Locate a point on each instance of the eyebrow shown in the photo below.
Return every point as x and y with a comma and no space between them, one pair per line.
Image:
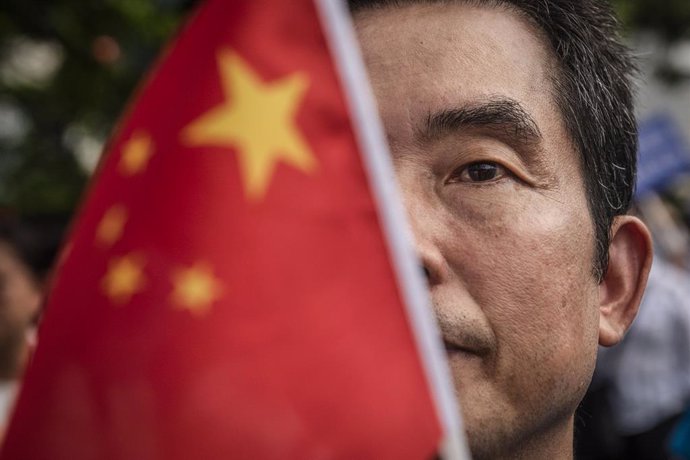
505,115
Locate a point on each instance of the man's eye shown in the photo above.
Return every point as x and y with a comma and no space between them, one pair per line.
482,172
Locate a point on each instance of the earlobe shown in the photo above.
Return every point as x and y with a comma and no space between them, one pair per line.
620,292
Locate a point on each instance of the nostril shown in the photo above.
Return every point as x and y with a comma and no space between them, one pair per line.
427,273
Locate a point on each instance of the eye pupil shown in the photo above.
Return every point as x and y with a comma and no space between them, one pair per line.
479,172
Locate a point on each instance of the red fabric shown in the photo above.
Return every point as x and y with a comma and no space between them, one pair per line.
304,352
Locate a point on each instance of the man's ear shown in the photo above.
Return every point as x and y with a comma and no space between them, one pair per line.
620,292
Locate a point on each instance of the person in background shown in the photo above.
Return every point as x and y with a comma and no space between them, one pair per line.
28,247
642,386
649,373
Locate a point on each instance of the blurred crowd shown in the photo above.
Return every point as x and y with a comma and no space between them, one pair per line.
638,406
28,246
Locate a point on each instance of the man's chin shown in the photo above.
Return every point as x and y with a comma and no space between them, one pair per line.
487,430
488,420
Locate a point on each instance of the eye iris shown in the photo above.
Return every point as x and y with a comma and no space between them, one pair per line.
482,172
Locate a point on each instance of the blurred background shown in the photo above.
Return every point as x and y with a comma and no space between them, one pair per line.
68,69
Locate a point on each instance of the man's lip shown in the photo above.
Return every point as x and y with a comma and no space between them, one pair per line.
463,333
458,348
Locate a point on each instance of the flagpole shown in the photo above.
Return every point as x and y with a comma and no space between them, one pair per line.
337,26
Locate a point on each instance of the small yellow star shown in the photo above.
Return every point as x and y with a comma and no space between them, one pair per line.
258,119
112,225
136,154
195,288
124,278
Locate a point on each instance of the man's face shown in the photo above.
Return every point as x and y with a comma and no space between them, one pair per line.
494,191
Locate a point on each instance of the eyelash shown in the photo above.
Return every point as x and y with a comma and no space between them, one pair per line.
462,174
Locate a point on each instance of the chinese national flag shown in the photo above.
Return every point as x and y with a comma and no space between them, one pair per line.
227,291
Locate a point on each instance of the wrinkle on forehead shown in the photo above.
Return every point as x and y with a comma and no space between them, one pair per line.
444,67
422,49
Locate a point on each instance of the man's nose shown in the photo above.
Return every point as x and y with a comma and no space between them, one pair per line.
426,228
431,259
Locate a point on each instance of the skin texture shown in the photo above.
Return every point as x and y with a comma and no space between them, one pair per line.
493,189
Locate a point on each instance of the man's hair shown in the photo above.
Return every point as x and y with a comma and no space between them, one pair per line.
593,90
34,240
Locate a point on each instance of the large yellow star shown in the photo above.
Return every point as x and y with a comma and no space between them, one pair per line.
258,119
125,277
195,288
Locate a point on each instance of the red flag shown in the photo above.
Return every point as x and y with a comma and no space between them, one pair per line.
227,290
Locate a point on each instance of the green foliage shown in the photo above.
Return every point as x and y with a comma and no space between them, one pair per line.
103,48
670,18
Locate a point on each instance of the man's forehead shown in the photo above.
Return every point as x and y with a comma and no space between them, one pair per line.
411,10
436,56
450,21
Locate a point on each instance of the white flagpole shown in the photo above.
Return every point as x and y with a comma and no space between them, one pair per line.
337,25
